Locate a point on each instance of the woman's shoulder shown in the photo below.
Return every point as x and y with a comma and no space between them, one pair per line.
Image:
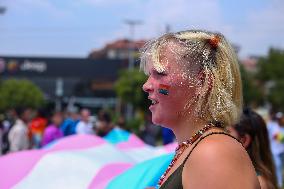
221,149
222,161
263,182
218,142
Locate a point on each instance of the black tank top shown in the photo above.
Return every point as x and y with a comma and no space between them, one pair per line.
174,181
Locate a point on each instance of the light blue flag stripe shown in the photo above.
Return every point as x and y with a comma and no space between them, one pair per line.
117,135
142,175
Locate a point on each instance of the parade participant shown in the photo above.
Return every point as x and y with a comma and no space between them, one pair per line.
52,131
85,126
36,128
18,135
195,87
276,137
104,124
72,118
253,134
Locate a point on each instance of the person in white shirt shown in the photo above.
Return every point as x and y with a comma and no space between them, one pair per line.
18,135
85,126
277,147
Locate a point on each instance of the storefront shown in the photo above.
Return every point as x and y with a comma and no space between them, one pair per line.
89,82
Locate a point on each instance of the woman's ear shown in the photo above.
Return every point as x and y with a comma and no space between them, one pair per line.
246,140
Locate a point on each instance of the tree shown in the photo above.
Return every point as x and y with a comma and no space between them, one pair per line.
252,94
129,88
19,93
276,95
272,66
270,75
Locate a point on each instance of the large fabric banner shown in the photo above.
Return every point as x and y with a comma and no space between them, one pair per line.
119,160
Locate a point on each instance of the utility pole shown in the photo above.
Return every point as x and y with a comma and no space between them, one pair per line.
2,11
58,93
132,24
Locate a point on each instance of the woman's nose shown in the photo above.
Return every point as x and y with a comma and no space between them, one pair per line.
148,86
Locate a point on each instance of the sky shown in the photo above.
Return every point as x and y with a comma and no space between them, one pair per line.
65,28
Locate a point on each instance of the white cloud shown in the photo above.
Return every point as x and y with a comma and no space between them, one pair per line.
255,34
30,6
262,30
184,14
179,14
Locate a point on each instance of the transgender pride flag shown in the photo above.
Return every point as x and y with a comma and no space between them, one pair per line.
120,160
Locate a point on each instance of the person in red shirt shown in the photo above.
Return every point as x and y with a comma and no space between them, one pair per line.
36,128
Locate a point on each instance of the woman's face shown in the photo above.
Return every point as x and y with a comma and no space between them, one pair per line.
168,109
57,119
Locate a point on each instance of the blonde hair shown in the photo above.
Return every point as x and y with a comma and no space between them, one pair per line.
219,99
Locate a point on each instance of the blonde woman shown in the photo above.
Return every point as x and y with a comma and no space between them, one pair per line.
195,88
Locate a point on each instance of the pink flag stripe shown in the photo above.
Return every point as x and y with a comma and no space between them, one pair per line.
133,142
14,161
16,166
74,142
170,147
104,176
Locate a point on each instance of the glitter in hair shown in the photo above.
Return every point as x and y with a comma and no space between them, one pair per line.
219,98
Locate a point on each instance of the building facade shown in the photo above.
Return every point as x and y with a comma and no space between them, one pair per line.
89,82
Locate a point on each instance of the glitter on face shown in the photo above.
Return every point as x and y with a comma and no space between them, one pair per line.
210,72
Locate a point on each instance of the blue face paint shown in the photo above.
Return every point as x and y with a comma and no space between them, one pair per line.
164,89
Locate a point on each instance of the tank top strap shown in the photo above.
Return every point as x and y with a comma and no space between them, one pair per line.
203,137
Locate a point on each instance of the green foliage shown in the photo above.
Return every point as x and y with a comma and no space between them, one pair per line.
251,92
134,125
272,66
15,93
129,88
276,95
270,70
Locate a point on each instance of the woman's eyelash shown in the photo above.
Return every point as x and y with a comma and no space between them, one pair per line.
161,73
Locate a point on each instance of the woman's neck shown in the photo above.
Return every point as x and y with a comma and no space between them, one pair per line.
187,129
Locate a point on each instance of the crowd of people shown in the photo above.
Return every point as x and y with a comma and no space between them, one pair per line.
24,128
